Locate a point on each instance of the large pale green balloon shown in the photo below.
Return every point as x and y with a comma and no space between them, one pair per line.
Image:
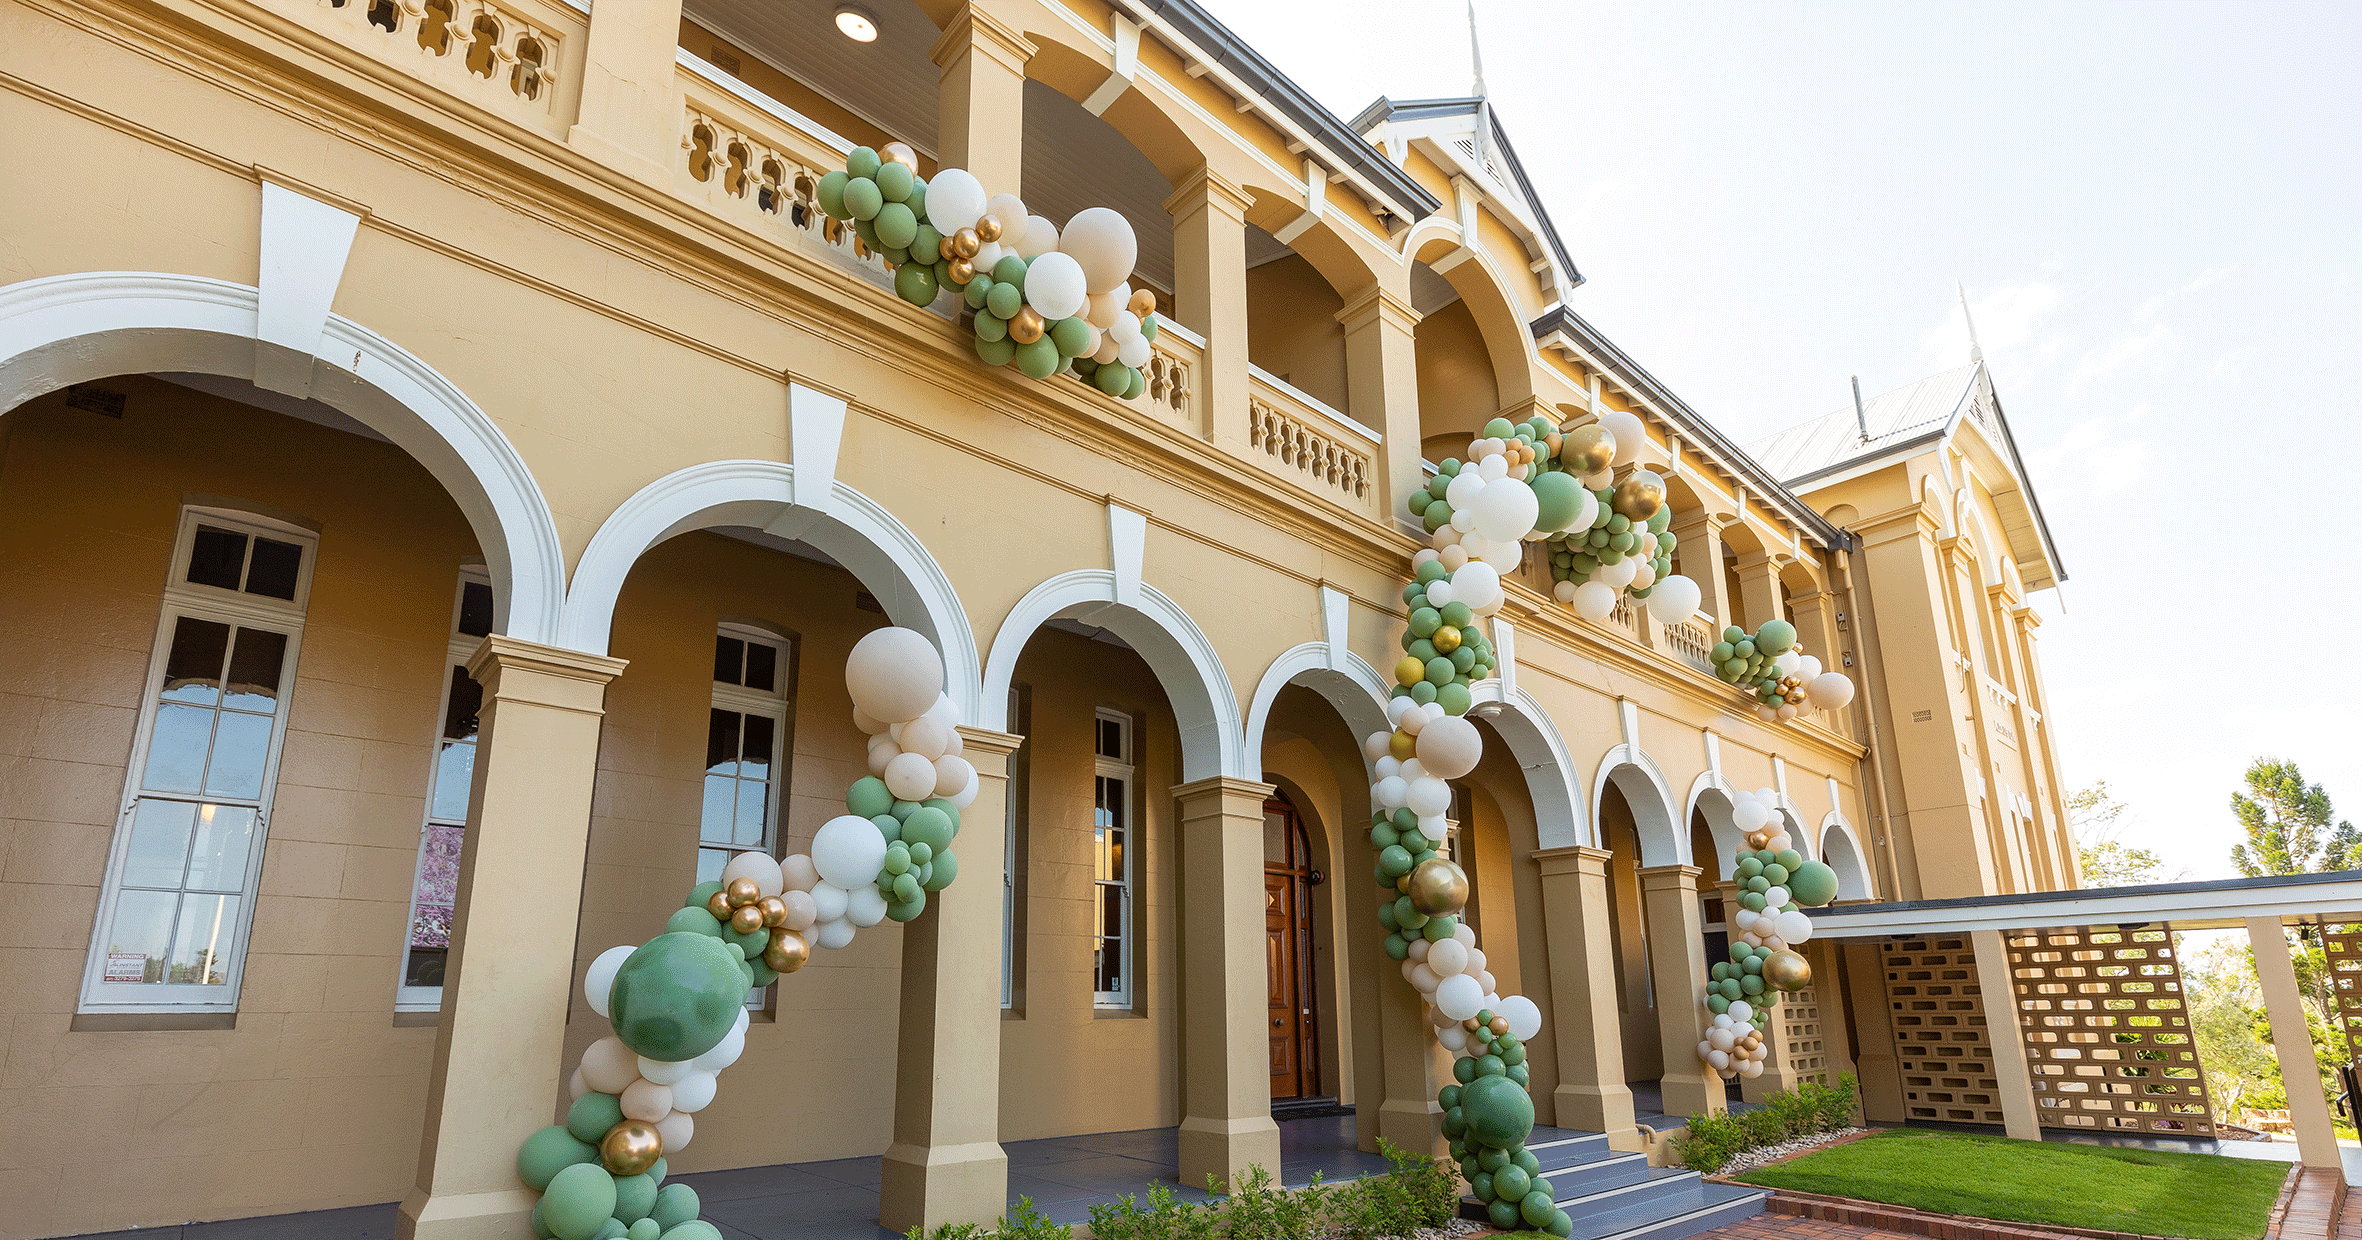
862,199
550,1151
592,1115
635,1196
1775,636
928,825
1499,1111
996,352
675,1204
677,996
868,797
1561,496
1812,884
578,1202
694,1229
943,870
1038,360
693,921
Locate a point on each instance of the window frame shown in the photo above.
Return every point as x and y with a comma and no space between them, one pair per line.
1124,770
221,605
1016,811
778,705
462,647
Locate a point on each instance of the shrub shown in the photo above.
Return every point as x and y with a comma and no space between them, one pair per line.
1714,1140
1416,1191
1023,1223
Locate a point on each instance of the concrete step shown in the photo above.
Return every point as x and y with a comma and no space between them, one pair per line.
1674,1216
1570,1150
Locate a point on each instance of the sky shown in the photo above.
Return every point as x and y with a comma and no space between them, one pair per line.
2154,209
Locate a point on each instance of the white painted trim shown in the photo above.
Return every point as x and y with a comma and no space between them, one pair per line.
1355,689
1213,738
305,243
816,430
1662,840
2205,908
1856,881
731,86
1127,551
855,531
1315,406
1505,655
1336,610
1550,776
1727,836
68,329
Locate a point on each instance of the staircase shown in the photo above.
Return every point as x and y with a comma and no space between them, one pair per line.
1615,1195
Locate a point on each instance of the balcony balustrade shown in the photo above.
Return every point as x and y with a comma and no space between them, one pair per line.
519,58
1176,358
1318,449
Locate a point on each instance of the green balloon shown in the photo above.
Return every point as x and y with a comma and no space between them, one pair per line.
946,808
592,1115
917,199
1421,649
1788,857
929,826
896,226
1502,1214
989,327
921,853
906,912
1498,428
888,825
976,291
1523,1074
913,283
1440,670
996,352
1536,1208
752,944
645,1229
1395,860
1038,360
1775,875
1004,305
1512,1181
693,921
549,1151
1813,884
694,1229
1456,698
675,1204
1397,948
701,893
831,193
1499,1111
1134,384
657,1172
1010,271
1071,335
895,181
1112,380
635,1196
1490,1065
1457,614
946,867
1775,636
1480,1186
541,1229
578,1202
1438,929
862,199
863,161
1561,497
676,996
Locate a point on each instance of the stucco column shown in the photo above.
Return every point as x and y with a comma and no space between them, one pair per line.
1210,295
1697,555
2007,1031
1669,897
946,1163
980,99
1584,1030
498,1072
2292,1044
630,117
1382,387
1225,1051
1759,590
1880,1077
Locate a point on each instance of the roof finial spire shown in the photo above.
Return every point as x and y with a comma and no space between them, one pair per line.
1475,54
1976,352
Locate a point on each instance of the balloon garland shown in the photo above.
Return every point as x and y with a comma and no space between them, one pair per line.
677,1003
1767,666
1048,301
1775,885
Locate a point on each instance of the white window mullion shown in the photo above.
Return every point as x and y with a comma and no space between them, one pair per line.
1114,840
450,784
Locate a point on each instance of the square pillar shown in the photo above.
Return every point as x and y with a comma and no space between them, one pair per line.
946,1163
1880,1076
980,100
1759,590
498,1069
1697,555
2006,1029
2292,1044
1225,1051
631,116
1210,295
1669,899
1382,387
1584,1029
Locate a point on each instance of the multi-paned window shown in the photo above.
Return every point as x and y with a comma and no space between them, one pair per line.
172,921
435,889
1111,853
745,731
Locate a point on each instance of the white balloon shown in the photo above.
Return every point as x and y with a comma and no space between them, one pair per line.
989,254
725,1052
1785,662
1594,601
910,777
952,774
1425,796
828,902
894,674
1477,585
966,797
1475,954
1462,490
1411,769
1435,827
954,199
1396,708
1748,814
599,979
946,712
1751,1069
1040,238
675,1130
1010,210
1617,575
1494,467
881,751
833,934
1054,286
1720,1039
1458,996
1102,241
663,1072
1744,919
1420,976
1453,1037
575,1085
1719,1059
1389,791
769,879
1134,352
1774,897
1379,746
1524,1016
870,727
1643,574
865,906
1385,767
1795,927
1447,958
1630,432
1484,980
1418,949
1563,591
1769,796
1674,600
848,851
1829,691
1125,329
1439,591
1450,747
1740,1012
1466,936
694,1092
1506,510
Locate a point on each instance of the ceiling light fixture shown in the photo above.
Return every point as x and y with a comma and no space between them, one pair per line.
857,23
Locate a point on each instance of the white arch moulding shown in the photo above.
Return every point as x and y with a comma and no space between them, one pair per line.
1213,738
1711,792
855,531
1841,850
1638,777
60,330
1550,779
1356,691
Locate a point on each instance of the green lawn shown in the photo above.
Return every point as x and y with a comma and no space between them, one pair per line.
2204,1196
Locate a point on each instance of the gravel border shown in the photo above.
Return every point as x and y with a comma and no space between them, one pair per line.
1765,1154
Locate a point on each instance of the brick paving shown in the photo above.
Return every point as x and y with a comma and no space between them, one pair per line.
2349,1221
1770,1226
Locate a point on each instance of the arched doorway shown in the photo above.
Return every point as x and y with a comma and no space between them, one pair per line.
1291,969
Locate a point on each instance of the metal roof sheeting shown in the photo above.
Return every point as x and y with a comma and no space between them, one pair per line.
1894,418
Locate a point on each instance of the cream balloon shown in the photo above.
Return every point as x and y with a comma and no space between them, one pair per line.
1427,796
1101,309
665,1072
675,1130
646,1101
756,865
1450,747
1631,435
952,774
1447,958
894,674
865,905
924,737
801,912
910,777
1594,600
608,1065
1041,237
1830,691
797,870
1102,241
1674,600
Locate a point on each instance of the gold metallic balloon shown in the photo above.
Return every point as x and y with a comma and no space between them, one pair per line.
718,904
962,270
1758,840
899,153
742,891
1587,449
630,1147
1640,494
787,951
988,228
1788,970
1026,325
964,243
746,918
1446,639
1499,1026
1438,888
1143,303
774,911
1402,745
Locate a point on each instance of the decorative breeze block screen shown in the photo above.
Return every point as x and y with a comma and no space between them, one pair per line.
1942,1050
1800,1014
2345,975
2107,1036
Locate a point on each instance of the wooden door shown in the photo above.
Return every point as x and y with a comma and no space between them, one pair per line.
1279,950
1287,940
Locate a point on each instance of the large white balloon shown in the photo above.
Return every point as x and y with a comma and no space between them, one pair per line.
1477,585
1617,575
894,674
1462,490
1674,600
1054,285
758,866
1389,792
849,851
599,979
1740,1012
1631,434
1133,352
1523,1014
1830,691
1506,510
1102,241
865,906
1748,814
1807,669
1450,747
954,199
1427,796
1459,996
1594,600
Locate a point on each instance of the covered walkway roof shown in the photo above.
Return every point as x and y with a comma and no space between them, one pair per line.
2217,904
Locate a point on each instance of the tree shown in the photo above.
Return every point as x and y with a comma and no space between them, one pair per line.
2288,825
2104,860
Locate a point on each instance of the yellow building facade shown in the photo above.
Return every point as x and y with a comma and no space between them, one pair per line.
427,424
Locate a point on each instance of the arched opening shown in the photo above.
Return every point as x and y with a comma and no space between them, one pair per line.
1842,853
1458,389
1636,1003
